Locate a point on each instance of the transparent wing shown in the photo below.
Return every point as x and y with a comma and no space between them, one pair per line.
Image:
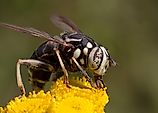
65,24
31,31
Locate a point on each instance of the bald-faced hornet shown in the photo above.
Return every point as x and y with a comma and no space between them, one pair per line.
71,51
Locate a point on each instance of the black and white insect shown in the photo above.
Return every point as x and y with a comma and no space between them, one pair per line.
71,51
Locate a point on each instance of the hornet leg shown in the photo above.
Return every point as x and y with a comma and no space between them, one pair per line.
99,81
66,81
31,63
84,72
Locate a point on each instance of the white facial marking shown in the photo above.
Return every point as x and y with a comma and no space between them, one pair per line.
98,60
77,53
94,58
82,61
104,62
85,51
89,45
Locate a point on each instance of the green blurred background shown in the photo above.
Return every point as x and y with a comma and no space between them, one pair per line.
127,27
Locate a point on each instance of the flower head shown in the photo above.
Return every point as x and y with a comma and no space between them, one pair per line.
79,98
34,103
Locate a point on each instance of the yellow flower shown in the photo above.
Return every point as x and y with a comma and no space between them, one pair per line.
79,98
34,103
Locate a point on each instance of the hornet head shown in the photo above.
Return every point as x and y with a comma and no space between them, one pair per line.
99,61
